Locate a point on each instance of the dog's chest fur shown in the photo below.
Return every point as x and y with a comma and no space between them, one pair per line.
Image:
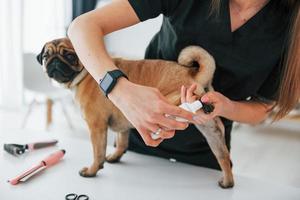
96,108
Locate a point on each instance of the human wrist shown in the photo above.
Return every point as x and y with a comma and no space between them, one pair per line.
120,87
229,108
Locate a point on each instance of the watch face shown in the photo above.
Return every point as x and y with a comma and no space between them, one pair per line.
106,82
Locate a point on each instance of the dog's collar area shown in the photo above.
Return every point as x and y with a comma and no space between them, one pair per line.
80,76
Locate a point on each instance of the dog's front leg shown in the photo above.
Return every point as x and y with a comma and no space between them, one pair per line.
121,147
98,135
213,131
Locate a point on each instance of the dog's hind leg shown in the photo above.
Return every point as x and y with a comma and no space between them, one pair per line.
121,147
98,136
214,134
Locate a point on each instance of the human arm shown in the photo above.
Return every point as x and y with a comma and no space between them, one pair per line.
250,112
143,106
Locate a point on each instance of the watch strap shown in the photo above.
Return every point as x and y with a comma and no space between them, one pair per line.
115,75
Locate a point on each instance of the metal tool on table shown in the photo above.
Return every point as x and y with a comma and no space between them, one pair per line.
18,149
44,164
73,196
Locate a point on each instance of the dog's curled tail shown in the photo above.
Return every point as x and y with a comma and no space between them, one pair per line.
191,54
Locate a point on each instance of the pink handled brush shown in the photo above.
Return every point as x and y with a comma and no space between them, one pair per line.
45,163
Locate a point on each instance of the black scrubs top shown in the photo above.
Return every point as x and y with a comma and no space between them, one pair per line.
248,61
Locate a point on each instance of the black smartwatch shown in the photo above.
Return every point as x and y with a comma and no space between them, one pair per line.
108,82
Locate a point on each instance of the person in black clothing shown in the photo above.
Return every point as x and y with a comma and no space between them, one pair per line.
254,43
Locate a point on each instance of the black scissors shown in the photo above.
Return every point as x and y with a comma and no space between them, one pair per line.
73,196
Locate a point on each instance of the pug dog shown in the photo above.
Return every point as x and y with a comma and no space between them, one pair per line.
61,64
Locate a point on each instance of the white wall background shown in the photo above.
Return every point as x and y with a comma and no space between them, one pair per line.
25,26
11,53
131,42
44,20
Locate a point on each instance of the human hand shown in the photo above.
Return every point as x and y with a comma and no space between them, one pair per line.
145,108
222,105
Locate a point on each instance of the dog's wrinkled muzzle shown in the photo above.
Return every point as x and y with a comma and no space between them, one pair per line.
60,71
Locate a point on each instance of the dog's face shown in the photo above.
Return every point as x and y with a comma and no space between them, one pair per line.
60,61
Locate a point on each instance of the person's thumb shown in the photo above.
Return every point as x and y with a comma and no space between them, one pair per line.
208,98
205,98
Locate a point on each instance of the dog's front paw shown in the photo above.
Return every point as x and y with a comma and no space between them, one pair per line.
226,183
85,172
89,172
113,158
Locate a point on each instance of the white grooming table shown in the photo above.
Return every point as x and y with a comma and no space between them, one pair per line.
137,177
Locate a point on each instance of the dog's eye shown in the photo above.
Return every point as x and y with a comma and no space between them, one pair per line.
71,57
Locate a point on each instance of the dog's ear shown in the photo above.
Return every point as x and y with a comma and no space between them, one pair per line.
39,57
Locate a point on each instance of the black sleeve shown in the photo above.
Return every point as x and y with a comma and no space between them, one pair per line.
269,89
147,9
